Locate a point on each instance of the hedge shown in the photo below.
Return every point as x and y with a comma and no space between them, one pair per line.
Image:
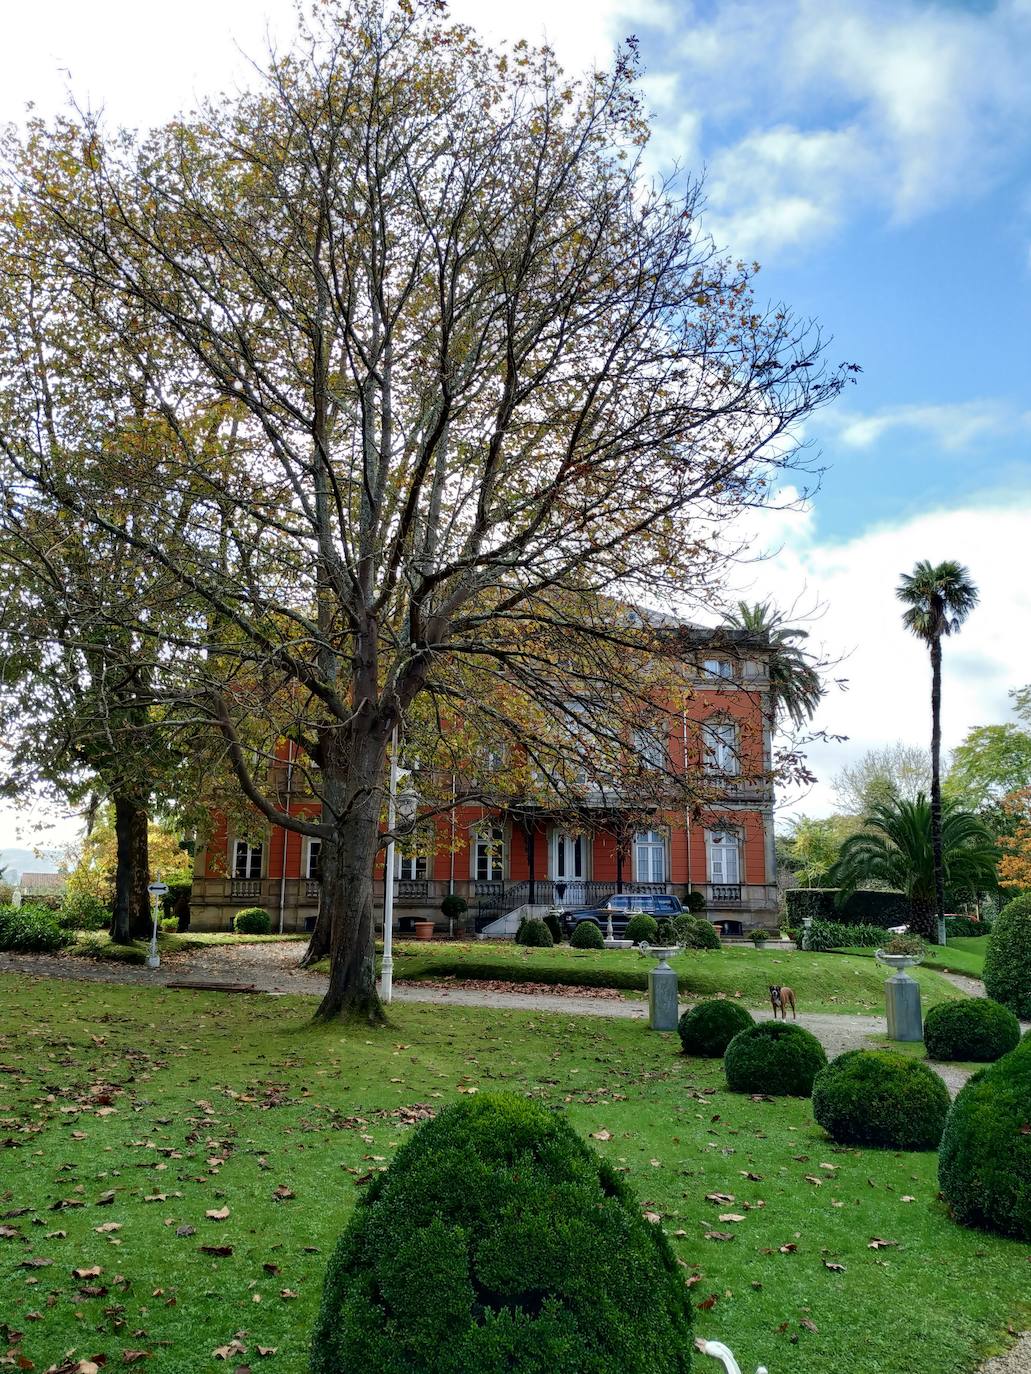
963,925
83,911
984,1164
498,1240
973,1029
708,1028
773,1057
862,907
879,1097
1007,963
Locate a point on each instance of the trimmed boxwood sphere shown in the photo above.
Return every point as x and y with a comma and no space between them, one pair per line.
984,1163
499,1241
708,1028
974,1028
877,1097
252,920
534,933
773,1057
1007,964
642,927
587,936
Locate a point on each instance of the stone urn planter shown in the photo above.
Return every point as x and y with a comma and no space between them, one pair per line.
423,930
663,999
902,996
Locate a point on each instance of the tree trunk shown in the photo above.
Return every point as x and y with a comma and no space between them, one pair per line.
922,918
318,945
121,920
347,889
936,791
139,903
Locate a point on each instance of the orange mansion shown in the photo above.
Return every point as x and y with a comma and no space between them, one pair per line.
501,861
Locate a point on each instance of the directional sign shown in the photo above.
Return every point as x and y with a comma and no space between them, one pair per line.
157,889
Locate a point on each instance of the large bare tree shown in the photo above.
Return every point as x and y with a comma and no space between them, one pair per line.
485,387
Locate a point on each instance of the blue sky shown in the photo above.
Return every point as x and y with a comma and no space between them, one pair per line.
876,159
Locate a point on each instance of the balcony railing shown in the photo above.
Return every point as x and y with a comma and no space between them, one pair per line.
725,894
413,889
244,889
312,888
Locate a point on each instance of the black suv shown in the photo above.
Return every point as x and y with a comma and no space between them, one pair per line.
619,906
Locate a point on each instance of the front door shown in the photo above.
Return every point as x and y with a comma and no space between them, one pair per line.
567,869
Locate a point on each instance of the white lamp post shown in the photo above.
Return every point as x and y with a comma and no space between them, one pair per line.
386,988
157,890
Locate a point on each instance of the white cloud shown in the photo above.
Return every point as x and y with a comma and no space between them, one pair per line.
951,426
888,674
899,105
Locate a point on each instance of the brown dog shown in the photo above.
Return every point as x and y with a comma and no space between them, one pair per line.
782,997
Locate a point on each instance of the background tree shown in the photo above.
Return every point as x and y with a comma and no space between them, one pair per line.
490,389
895,849
897,770
811,845
938,598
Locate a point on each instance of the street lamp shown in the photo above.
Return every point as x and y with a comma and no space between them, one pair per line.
157,890
407,804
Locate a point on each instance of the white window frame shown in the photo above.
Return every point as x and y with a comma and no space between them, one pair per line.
650,749
720,753
311,842
250,851
720,845
494,853
579,843
651,856
411,868
719,668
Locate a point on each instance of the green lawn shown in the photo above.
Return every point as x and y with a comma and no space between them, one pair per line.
822,982
128,1114
97,944
964,954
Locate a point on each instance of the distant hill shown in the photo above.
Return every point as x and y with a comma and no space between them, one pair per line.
19,861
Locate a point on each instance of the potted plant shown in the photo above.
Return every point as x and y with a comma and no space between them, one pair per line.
901,952
759,936
424,928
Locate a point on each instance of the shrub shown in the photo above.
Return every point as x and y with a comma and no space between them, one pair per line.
668,934
453,907
773,1057
83,911
695,901
759,935
696,932
640,927
824,935
963,925
534,933
708,1028
31,929
252,920
974,1028
587,936
878,1097
1007,963
862,907
984,1164
553,923
498,1240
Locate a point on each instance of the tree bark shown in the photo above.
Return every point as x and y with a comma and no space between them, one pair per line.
347,889
121,920
139,901
922,918
936,792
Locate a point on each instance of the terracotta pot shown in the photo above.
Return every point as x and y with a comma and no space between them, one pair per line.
424,930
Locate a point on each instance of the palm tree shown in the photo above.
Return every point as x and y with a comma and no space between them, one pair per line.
795,686
895,849
938,599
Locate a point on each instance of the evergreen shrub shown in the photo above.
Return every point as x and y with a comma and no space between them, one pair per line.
31,929
252,920
534,933
708,1028
1007,962
773,1057
974,1029
499,1241
587,936
640,927
879,1097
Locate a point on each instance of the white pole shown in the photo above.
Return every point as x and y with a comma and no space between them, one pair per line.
154,958
387,978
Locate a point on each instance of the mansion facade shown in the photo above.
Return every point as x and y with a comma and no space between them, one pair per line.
502,860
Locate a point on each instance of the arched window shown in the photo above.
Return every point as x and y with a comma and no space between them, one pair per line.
489,854
724,856
649,857
719,746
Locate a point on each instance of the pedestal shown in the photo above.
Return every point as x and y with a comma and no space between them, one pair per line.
903,1001
663,1002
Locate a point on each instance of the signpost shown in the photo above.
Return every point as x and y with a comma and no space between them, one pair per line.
157,890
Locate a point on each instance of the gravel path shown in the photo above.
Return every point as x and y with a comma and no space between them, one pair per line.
1015,1361
272,968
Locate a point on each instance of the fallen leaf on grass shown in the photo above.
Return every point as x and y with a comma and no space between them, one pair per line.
719,1197
877,1244
601,1135
36,1262
185,1230
834,1268
223,1352
809,1325
287,1293
906,1198
719,1235
133,1356
222,1251
788,1249
94,1271
653,1217
217,1213
281,1192
708,1303
107,1226
732,1216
